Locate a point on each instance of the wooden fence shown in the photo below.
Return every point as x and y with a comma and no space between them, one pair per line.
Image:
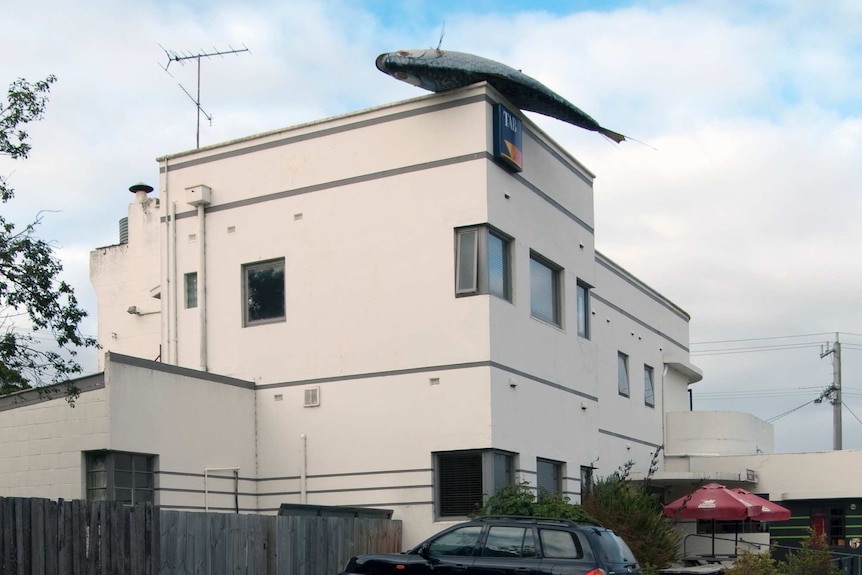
39,536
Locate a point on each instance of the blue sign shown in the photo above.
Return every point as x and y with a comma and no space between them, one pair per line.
508,131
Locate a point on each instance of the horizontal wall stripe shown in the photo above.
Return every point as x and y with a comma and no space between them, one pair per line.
201,492
641,323
336,184
380,505
514,371
628,438
310,136
381,488
608,264
279,493
176,370
553,202
390,373
362,473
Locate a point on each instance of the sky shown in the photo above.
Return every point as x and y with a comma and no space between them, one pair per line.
740,201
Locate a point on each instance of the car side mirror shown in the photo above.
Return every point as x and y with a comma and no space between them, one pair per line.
423,552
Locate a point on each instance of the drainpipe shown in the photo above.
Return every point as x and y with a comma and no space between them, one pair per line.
174,291
303,473
202,284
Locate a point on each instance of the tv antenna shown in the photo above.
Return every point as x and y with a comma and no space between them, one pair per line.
182,58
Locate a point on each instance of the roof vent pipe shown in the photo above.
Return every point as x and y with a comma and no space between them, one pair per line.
141,190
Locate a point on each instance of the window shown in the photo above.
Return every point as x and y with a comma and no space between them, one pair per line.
549,476
463,478
509,542
545,290
623,374
461,541
649,390
120,476
829,523
583,310
263,292
482,262
191,290
559,544
586,482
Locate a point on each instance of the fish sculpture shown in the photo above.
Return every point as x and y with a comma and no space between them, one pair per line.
439,70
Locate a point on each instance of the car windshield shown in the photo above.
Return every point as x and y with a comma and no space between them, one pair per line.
612,548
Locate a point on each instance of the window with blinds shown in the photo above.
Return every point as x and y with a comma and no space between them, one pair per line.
464,478
549,476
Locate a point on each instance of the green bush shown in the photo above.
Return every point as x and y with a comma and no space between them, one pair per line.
521,500
636,516
814,558
748,563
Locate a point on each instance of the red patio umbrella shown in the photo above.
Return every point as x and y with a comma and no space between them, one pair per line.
716,502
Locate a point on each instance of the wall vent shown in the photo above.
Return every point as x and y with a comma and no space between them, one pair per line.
312,397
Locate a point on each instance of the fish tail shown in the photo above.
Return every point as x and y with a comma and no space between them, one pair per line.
612,135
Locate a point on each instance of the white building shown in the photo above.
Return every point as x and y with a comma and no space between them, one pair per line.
368,310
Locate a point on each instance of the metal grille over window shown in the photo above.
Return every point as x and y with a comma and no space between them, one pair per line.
623,374
649,389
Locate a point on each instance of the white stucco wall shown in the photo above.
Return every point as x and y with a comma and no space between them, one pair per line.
717,433
41,442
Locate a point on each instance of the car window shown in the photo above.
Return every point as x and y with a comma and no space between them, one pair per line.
611,547
560,544
509,542
458,542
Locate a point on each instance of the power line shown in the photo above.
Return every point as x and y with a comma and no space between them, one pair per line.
779,416
762,338
851,412
735,350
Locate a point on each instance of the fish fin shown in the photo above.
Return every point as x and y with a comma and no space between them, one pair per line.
612,135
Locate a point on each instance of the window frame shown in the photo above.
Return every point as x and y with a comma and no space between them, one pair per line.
649,386
489,461
556,298
584,309
586,481
479,283
274,263
191,295
623,369
112,474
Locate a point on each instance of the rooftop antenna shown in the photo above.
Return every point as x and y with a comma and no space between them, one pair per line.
182,58
442,33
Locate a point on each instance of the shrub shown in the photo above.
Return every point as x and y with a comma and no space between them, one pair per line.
636,516
748,563
521,500
814,558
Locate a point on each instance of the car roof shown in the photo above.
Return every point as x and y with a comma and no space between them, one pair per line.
534,520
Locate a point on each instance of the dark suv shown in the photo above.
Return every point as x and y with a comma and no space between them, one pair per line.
508,546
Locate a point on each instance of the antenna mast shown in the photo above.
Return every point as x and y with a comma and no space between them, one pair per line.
182,58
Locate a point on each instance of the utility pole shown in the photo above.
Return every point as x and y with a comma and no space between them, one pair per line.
833,392
182,58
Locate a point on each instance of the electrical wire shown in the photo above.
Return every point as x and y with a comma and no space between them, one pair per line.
736,350
851,411
762,338
780,415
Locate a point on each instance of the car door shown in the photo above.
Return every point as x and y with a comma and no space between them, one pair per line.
452,553
507,550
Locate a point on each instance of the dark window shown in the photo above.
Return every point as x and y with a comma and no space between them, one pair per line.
586,482
263,289
559,544
461,541
549,476
583,310
465,477
704,526
191,290
830,523
120,476
623,373
482,262
545,302
649,389
509,542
